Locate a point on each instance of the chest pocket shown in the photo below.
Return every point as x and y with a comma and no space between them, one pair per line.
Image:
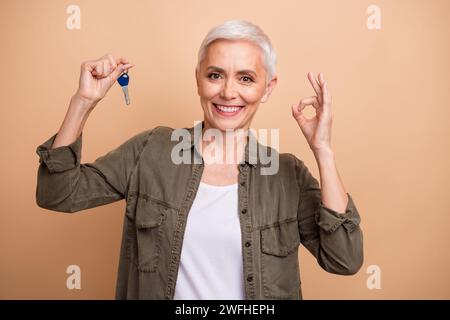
145,245
279,260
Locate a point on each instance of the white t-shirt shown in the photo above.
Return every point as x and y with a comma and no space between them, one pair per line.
211,265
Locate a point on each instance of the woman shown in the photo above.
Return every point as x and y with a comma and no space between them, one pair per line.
244,228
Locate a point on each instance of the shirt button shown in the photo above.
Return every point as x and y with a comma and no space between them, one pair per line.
249,278
248,244
244,211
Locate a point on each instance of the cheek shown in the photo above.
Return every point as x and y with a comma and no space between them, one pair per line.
208,90
252,94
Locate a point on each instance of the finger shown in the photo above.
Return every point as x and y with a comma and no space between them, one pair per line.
121,68
297,110
326,94
88,66
106,67
297,114
97,69
321,79
122,60
117,62
102,69
112,60
309,101
315,85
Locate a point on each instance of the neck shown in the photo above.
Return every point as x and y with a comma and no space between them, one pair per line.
223,147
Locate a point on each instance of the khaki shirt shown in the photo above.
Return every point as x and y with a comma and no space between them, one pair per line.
277,212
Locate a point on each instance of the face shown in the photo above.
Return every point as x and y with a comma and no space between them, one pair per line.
231,83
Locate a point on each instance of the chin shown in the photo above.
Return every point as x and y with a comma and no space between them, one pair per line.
226,126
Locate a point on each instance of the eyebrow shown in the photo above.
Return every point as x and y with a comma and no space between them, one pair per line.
245,71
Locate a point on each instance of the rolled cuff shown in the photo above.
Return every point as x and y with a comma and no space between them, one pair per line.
62,158
329,220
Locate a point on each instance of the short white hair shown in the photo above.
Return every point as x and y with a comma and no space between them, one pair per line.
241,30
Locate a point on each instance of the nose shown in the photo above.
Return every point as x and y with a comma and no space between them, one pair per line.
228,91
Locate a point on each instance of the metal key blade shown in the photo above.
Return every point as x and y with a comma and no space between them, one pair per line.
127,96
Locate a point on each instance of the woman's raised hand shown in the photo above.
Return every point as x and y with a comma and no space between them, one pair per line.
98,76
317,130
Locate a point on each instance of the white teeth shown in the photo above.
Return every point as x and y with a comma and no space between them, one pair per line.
227,109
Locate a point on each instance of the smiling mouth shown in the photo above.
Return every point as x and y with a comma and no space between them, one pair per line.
228,110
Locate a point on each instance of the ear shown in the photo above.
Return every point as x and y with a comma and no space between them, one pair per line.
269,88
196,79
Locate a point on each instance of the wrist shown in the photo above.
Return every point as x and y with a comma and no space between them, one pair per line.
324,155
79,102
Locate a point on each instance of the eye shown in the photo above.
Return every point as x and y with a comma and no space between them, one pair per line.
212,76
248,79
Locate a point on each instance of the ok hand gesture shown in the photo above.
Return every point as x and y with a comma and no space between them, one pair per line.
317,130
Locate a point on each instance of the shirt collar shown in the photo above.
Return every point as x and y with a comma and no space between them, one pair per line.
251,149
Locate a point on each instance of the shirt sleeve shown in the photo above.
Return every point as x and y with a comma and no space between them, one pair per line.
65,184
334,238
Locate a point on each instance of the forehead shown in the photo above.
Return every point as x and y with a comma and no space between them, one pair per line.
240,54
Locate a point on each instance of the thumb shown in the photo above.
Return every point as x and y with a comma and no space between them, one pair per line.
298,114
121,68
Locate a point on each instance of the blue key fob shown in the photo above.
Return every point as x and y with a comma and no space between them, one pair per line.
123,79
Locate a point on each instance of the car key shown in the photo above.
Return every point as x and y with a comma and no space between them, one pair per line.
123,81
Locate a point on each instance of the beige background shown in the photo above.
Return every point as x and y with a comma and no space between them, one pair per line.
390,132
